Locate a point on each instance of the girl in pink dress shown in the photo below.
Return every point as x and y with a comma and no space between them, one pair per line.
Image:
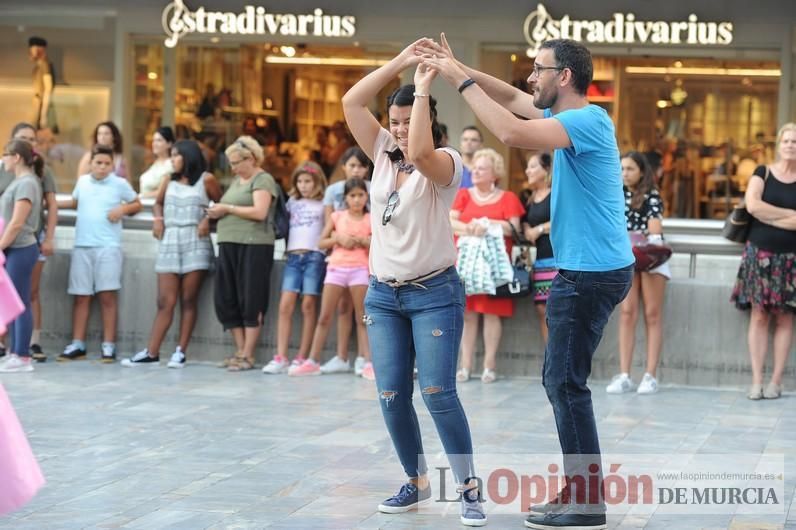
20,475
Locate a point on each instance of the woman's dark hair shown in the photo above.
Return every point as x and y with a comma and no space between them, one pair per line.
117,136
166,133
29,157
20,126
360,155
193,163
645,183
353,184
575,56
404,97
545,160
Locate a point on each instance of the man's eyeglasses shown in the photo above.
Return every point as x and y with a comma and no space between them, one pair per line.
392,203
538,69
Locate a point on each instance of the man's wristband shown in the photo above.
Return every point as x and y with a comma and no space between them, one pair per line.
419,95
465,84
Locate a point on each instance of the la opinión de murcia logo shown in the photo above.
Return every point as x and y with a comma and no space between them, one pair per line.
178,20
623,28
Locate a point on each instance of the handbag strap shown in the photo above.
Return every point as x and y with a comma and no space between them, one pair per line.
515,236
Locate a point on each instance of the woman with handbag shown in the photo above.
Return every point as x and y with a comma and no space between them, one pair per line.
644,212
536,228
766,281
245,249
485,200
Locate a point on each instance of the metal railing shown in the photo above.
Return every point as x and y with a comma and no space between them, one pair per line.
686,236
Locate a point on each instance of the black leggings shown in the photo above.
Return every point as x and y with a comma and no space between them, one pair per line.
243,281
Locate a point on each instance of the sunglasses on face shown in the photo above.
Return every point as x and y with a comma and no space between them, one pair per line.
392,203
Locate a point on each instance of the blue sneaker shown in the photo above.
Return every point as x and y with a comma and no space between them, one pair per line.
408,498
472,511
569,518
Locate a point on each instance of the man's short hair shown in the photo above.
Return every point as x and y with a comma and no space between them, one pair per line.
37,41
575,56
476,129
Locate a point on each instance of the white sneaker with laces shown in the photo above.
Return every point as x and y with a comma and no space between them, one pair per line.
14,363
177,359
335,365
277,365
648,385
140,359
620,384
359,364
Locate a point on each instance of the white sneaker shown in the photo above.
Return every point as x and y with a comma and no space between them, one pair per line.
277,365
620,384
359,364
13,363
648,385
177,359
335,365
141,358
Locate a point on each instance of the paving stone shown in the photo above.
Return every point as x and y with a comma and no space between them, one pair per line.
201,448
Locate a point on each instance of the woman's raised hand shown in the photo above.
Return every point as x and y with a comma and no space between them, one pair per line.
439,57
409,57
423,78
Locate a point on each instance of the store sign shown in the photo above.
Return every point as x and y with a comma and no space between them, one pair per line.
623,28
179,20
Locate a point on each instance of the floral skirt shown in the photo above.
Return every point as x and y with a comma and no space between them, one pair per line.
766,280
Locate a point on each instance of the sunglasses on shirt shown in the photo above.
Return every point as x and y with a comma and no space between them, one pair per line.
392,203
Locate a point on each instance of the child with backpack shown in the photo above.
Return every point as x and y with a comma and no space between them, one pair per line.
305,266
347,233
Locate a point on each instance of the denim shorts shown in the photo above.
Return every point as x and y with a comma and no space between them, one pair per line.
304,273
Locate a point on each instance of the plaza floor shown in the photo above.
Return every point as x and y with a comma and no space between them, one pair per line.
202,448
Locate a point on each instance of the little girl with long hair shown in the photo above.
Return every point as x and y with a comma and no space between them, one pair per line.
347,233
305,267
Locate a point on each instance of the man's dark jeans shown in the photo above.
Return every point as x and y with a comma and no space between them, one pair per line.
579,306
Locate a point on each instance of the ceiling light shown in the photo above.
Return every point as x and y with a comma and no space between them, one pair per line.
663,70
152,75
662,103
288,51
326,61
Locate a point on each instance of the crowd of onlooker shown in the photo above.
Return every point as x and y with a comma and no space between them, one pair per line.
327,249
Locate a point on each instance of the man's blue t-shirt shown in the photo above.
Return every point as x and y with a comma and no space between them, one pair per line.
588,230
95,198
467,178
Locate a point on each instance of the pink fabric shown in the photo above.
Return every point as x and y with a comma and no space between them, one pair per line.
20,475
347,276
10,304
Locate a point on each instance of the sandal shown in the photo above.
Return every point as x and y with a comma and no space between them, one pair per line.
488,376
463,375
227,361
240,364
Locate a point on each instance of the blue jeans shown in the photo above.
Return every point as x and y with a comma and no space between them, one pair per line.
579,306
408,325
19,265
304,273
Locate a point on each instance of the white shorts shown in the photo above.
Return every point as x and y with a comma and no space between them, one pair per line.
95,269
662,269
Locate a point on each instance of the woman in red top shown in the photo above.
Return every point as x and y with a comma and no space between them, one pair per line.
485,199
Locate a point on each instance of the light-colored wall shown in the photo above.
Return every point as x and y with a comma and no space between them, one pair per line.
704,335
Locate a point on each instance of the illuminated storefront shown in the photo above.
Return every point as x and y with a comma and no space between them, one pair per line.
705,85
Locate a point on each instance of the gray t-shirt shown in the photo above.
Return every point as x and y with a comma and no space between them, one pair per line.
47,183
26,187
